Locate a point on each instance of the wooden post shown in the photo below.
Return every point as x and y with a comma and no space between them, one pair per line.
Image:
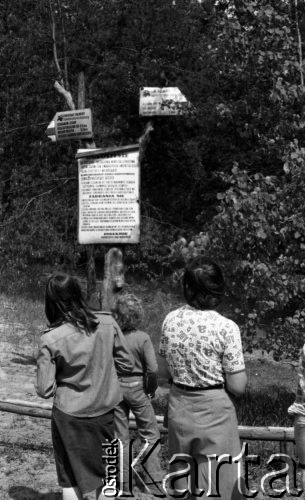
92,294
113,278
145,138
287,447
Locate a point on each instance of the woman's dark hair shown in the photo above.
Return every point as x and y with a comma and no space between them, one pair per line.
203,283
64,302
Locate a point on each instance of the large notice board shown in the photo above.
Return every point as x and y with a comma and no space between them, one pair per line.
109,192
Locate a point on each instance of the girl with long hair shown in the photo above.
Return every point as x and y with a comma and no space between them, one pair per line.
77,364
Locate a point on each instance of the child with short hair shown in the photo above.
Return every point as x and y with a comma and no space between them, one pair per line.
138,388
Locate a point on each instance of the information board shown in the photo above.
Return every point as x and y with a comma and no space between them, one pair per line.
165,101
109,190
76,124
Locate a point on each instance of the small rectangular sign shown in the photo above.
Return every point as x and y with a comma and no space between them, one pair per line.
165,101
76,124
109,186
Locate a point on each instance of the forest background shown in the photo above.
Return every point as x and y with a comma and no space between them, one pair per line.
225,180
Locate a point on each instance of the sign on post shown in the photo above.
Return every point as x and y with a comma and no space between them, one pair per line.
109,190
73,124
165,101
76,124
51,131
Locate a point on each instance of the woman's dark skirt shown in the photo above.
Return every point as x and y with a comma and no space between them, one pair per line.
78,449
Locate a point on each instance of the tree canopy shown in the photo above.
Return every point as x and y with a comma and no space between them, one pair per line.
228,175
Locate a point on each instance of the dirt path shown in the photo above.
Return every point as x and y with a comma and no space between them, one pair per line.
27,469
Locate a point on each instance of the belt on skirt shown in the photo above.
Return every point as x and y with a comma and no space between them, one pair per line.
198,388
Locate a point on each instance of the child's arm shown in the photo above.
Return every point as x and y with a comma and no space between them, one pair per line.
123,357
46,369
151,367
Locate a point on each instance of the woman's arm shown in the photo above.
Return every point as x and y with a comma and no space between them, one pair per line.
236,382
46,369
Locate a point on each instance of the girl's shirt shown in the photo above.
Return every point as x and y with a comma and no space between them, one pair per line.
298,407
80,370
199,346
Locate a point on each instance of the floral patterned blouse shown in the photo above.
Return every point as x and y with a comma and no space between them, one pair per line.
200,346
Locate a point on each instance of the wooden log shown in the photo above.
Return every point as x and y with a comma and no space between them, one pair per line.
43,410
287,448
266,433
25,409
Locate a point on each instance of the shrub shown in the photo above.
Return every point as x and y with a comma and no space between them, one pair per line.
258,237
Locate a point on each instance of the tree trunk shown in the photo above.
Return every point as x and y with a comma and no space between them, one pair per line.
93,297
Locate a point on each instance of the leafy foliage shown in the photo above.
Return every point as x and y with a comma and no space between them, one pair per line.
258,238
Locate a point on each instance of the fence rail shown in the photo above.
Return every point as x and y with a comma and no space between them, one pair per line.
285,435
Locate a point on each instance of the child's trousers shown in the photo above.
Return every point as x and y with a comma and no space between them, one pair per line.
139,403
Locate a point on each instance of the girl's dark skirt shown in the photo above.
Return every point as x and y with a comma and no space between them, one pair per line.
78,449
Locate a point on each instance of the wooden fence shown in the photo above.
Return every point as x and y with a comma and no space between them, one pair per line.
284,435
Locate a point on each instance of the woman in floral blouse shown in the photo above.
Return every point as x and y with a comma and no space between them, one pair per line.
201,352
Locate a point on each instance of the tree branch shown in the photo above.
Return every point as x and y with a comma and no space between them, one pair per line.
54,44
66,79
29,203
299,43
67,95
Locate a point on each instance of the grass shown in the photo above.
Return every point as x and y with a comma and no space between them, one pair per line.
21,318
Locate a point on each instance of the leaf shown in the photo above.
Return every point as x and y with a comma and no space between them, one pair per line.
261,234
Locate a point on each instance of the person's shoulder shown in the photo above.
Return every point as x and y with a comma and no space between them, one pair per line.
46,335
47,330
226,323
104,317
176,312
141,335
51,334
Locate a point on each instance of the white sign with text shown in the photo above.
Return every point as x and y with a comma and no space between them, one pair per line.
165,101
76,124
109,186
